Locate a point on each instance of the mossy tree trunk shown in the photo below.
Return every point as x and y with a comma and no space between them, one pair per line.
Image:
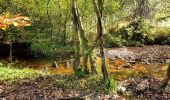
98,7
93,62
83,40
168,72
76,63
167,78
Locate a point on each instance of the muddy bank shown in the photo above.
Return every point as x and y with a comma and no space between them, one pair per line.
145,54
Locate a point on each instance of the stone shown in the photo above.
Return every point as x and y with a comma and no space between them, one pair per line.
54,65
128,65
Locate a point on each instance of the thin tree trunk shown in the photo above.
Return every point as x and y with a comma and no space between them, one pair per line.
65,31
76,63
49,18
98,9
10,52
93,63
86,49
85,44
168,71
167,78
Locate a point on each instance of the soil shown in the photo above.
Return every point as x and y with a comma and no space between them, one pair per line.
39,89
146,88
145,54
45,89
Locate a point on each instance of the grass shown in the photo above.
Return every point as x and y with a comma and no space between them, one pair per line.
91,83
13,74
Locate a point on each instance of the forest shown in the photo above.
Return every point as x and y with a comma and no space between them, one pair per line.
84,49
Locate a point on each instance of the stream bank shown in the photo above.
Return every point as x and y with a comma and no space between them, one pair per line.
145,54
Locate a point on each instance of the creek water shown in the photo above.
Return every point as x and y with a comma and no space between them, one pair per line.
115,68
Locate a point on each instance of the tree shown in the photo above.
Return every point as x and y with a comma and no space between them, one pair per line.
167,78
76,63
84,42
98,7
8,21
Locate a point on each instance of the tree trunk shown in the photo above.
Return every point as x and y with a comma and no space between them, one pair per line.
93,63
168,72
98,9
49,18
166,80
65,30
76,63
85,48
85,45
10,52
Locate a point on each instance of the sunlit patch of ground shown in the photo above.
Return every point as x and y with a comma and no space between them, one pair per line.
115,69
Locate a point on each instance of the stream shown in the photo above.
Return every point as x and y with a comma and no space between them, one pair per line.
118,69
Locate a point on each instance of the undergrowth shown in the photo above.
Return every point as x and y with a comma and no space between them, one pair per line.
10,73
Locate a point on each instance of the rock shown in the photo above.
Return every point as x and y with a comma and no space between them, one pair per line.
67,64
54,65
45,68
168,60
128,65
121,90
132,62
1,90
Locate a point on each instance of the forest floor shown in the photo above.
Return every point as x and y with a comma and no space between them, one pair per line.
68,88
48,89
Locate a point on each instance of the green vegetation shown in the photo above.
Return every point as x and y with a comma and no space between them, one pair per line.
75,30
144,34
52,49
13,74
93,83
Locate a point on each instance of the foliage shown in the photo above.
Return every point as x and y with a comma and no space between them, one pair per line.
7,20
111,41
163,36
13,74
52,49
137,33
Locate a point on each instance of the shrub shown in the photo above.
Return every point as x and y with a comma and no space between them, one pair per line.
111,41
162,36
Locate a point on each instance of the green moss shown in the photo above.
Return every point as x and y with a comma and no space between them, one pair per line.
90,83
12,74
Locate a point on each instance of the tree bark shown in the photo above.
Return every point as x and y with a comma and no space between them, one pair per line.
93,63
168,72
85,44
76,63
167,78
49,18
98,10
10,52
65,29
85,48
